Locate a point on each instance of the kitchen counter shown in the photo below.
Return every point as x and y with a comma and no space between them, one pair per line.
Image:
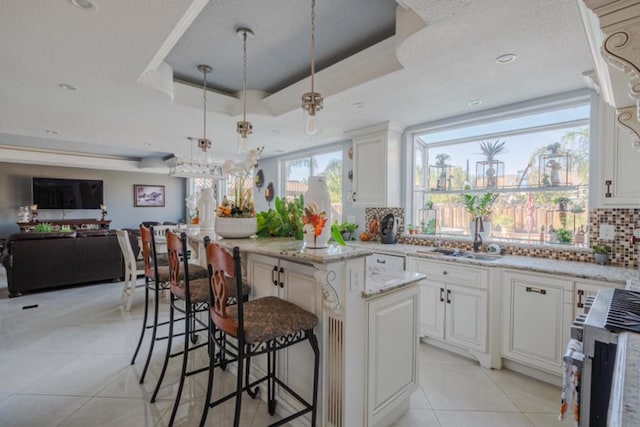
293,250
581,270
625,390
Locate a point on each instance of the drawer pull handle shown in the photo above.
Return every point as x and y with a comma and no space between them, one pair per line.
580,295
273,275
536,290
448,296
381,261
353,196
281,272
441,295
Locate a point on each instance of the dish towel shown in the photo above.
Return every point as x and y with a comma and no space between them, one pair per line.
571,381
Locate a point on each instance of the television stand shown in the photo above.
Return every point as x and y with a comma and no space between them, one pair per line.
74,224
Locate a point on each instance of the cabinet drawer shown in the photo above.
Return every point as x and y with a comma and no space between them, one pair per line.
385,262
450,273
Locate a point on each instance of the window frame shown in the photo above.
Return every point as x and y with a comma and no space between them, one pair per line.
514,111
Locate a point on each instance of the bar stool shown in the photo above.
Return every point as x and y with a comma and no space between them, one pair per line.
263,325
153,270
194,295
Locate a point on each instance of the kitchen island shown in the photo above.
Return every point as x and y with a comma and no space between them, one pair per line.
368,329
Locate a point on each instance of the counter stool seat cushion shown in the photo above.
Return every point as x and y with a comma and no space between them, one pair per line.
269,318
199,291
195,272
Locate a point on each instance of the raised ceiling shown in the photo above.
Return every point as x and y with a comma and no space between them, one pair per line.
441,56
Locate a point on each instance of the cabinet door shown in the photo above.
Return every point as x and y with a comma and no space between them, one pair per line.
466,317
392,348
295,363
537,320
432,296
262,275
621,161
369,171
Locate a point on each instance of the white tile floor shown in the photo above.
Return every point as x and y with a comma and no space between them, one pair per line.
66,363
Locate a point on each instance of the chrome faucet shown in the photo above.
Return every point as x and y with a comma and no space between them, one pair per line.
477,239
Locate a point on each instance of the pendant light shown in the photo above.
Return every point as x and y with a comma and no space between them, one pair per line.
244,128
203,166
312,101
203,143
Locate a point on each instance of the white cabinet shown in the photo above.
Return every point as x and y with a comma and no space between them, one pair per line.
620,160
453,303
376,167
393,350
293,282
537,316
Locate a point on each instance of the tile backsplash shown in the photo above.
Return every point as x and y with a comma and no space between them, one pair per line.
624,252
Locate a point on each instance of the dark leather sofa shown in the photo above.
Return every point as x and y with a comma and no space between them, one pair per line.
47,260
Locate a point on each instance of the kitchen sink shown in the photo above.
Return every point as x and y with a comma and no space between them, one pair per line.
480,257
450,252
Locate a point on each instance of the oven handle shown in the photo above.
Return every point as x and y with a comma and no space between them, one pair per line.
536,290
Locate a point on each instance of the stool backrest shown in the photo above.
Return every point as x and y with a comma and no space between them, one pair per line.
148,250
222,265
176,252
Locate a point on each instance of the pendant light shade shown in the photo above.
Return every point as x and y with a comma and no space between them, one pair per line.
243,127
312,101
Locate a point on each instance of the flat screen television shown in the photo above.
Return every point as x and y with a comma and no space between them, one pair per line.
55,193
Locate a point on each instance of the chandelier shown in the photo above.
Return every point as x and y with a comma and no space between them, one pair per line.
312,101
201,166
244,128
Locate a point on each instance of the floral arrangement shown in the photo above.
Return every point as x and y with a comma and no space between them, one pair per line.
241,176
313,220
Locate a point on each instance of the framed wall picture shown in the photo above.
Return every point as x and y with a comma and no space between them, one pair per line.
148,195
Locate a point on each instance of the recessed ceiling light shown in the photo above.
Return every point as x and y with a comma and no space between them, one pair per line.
358,104
51,132
474,103
506,58
85,4
66,86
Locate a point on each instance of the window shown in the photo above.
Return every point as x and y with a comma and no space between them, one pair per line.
297,170
537,164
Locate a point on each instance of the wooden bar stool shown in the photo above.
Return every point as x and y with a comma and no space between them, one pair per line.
189,297
263,325
153,271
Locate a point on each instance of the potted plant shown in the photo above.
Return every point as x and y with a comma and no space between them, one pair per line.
562,202
480,206
490,149
412,229
564,235
346,229
237,218
601,253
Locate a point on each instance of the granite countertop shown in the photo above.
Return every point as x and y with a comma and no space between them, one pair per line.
379,281
292,249
625,390
574,269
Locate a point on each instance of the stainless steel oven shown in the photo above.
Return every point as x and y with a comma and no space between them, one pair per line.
611,311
